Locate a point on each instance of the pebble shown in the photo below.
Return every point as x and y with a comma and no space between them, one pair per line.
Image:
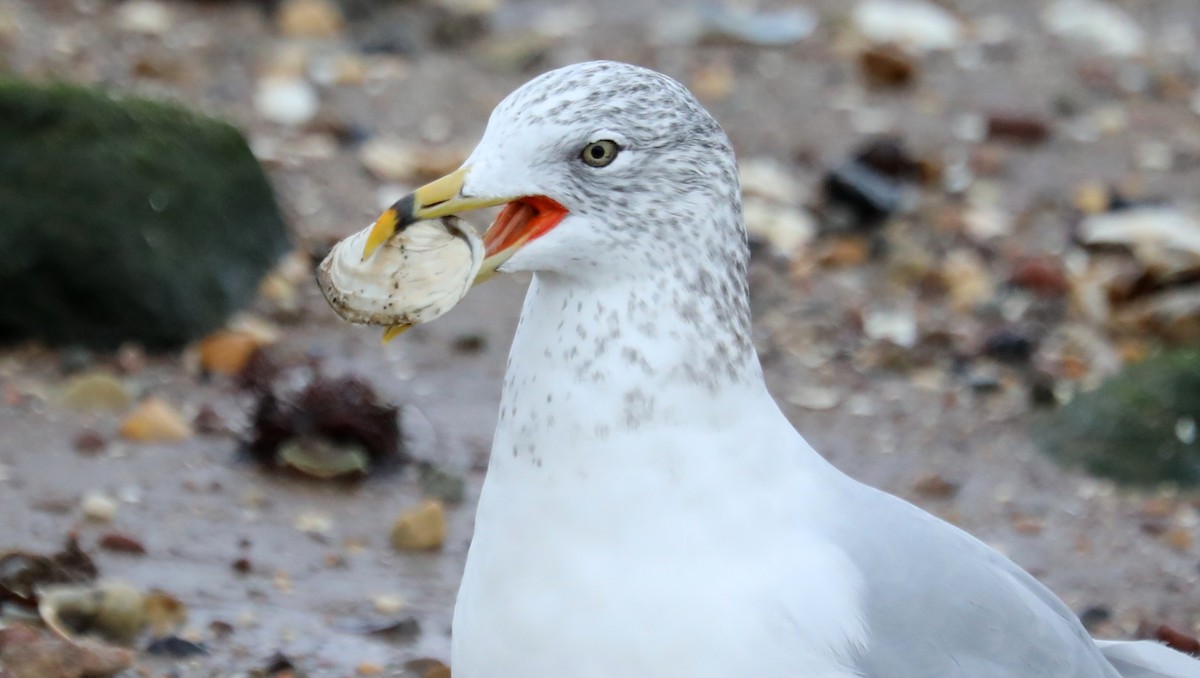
155,421
1096,24
1009,346
389,159
816,398
1155,156
967,279
887,66
286,101
228,351
314,523
1091,198
786,229
724,24
915,24
99,507
1025,128
388,604
422,528
935,486
95,392
310,19
147,17
1042,275
894,325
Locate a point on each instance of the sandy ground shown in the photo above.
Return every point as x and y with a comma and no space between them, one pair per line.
198,507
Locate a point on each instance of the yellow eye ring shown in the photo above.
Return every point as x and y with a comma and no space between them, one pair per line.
600,153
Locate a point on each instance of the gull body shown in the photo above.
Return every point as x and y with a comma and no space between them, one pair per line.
648,510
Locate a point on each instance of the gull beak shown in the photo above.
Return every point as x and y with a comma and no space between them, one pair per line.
523,219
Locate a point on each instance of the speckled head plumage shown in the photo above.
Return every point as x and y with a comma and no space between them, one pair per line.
653,205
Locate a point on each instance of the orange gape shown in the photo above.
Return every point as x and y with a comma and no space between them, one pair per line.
522,221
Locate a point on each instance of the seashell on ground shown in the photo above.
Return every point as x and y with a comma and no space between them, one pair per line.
419,274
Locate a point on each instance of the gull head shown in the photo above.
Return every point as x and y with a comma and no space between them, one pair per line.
603,168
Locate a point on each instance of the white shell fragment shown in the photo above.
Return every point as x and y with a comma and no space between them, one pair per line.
419,274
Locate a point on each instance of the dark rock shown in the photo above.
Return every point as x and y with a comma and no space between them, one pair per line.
862,192
126,219
1138,428
1009,346
174,646
887,66
1094,616
859,198
1021,128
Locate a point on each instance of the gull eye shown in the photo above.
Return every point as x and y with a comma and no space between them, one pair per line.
600,153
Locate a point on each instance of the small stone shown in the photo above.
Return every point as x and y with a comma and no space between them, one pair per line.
228,351
174,646
887,66
1096,24
388,604
916,24
286,101
95,392
165,614
313,523
1092,198
840,252
985,222
99,507
1027,525
1179,538
1155,156
322,458
90,442
815,398
1042,275
310,19
934,486
713,82
148,17
154,421
897,326
121,543
1009,346
967,279
786,229
131,358
421,529
438,483
389,159
1024,128
369,669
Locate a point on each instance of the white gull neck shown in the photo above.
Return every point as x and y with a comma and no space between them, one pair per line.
594,360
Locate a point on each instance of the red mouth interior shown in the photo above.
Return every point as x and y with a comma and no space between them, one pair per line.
522,221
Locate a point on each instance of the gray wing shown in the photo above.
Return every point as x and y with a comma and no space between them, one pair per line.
941,603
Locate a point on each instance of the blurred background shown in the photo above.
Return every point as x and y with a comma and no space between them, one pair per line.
976,280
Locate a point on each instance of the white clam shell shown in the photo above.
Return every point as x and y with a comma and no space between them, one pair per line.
419,274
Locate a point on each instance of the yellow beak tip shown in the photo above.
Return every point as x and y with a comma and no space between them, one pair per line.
383,229
392,332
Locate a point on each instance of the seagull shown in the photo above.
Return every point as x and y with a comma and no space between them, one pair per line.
648,510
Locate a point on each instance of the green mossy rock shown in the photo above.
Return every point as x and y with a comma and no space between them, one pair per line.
125,220
1138,428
